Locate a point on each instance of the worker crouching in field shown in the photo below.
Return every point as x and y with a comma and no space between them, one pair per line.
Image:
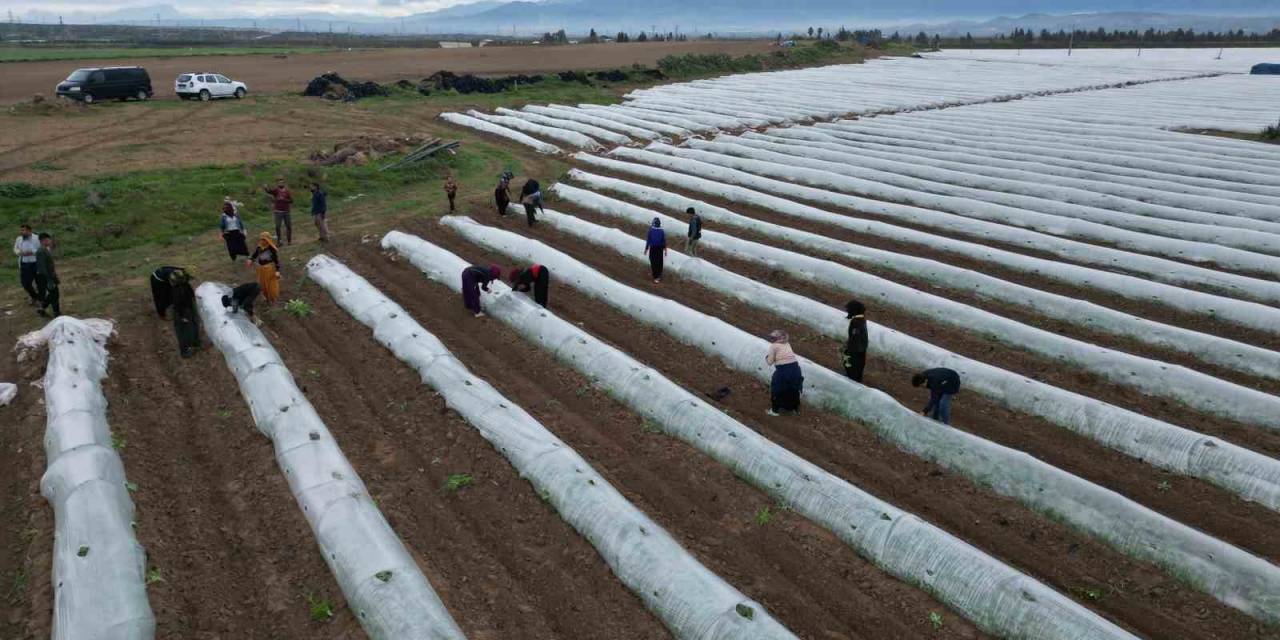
655,244
788,382
186,322
531,198
855,347
162,289
535,277
475,279
266,260
242,299
942,384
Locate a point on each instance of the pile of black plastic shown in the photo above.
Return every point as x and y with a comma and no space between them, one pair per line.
467,83
335,87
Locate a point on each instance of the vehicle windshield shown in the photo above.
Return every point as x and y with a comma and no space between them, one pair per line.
184,77
79,75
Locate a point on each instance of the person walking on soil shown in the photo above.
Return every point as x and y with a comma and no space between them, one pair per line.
320,210
788,382
233,231
502,193
450,190
47,283
942,384
281,203
531,198
266,259
655,244
695,233
162,289
25,247
475,279
242,299
535,277
855,347
186,322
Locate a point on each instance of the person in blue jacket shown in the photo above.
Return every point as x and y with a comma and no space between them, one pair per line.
943,384
655,244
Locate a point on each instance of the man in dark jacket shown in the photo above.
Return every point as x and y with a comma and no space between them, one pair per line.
531,198
162,288
942,384
320,210
855,347
242,299
695,233
47,283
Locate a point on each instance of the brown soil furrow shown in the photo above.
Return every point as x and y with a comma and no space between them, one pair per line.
805,577
1133,593
1185,499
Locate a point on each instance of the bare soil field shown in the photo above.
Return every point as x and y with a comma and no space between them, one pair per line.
268,74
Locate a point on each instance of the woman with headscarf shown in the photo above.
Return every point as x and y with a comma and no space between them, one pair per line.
474,279
266,260
787,382
502,193
186,322
233,230
162,289
655,244
535,277
855,347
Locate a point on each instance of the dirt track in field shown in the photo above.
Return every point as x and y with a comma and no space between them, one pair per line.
269,74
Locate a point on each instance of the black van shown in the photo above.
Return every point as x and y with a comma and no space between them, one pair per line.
90,85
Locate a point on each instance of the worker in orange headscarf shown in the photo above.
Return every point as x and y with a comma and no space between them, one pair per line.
266,259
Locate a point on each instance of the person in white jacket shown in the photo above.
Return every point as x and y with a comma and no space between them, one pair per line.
25,248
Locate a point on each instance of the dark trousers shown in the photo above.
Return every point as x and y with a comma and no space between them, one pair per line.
235,244
655,261
470,292
186,325
502,203
452,197
287,219
161,295
541,286
531,213
854,364
49,296
27,276
785,387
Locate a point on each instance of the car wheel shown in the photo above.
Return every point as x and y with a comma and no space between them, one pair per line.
142,94
239,93
88,98
204,95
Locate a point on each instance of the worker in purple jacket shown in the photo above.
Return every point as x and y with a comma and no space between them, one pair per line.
655,244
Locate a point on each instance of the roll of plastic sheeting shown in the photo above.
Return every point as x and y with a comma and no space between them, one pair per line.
1232,575
382,583
500,131
1003,601
559,135
1205,347
1250,475
1160,269
99,569
691,600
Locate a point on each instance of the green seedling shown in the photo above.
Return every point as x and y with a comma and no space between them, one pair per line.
745,611
649,426
458,480
298,308
84,550
153,576
320,607
1164,485
935,619
1089,593
118,442
763,516
131,487
384,576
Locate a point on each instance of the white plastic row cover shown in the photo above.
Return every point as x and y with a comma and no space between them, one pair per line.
381,581
500,131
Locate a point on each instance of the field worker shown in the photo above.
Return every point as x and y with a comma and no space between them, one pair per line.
281,203
47,283
320,210
787,382
942,384
695,232
266,259
162,289
855,347
25,248
242,299
655,244
535,277
502,193
186,322
531,198
450,190
474,279
233,231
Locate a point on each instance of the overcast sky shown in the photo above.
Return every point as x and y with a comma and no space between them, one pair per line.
229,8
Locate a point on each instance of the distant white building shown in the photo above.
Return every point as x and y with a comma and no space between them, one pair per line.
456,45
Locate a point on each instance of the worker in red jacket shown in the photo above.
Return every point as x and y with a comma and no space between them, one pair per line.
535,277
281,203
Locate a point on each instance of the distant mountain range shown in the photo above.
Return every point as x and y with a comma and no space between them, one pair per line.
531,17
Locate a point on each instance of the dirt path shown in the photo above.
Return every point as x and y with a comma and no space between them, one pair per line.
270,74
1132,593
